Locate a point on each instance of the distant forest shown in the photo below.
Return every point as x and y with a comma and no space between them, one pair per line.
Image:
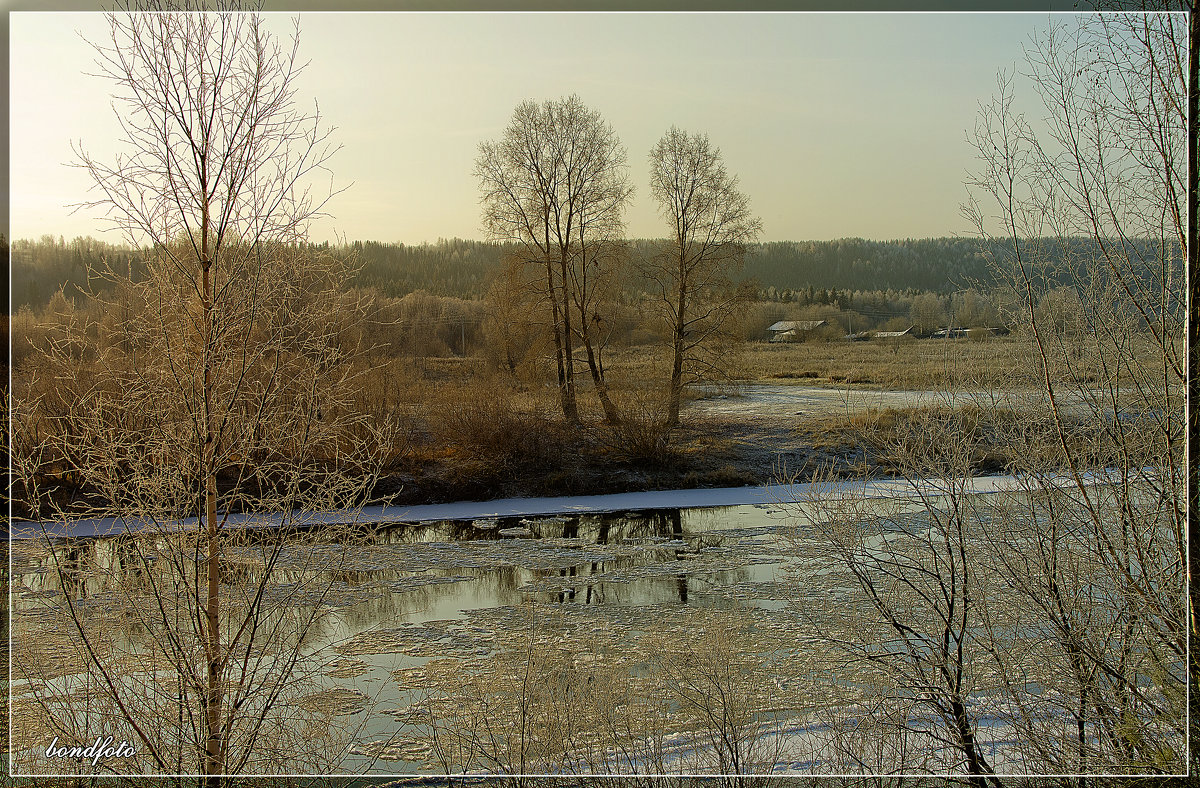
463,268
782,270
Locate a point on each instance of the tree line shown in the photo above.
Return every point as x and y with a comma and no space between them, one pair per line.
818,272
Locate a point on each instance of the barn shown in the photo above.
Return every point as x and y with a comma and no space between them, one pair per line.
792,330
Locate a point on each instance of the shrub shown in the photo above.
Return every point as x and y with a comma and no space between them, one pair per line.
644,433
489,434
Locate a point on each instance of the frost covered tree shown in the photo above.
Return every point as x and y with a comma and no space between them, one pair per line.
226,396
710,224
1054,616
1109,576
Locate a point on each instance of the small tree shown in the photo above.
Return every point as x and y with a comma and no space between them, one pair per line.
972,310
914,593
514,327
710,223
227,393
927,314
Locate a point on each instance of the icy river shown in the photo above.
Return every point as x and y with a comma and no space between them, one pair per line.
440,593
590,634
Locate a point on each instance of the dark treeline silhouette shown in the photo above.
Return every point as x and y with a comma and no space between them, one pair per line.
931,264
453,267
938,265
801,271
41,268
463,268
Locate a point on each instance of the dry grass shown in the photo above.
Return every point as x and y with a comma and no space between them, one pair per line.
919,364
988,439
1008,363
887,437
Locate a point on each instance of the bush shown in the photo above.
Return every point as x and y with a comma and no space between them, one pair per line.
896,343
27,335
643,434
490,435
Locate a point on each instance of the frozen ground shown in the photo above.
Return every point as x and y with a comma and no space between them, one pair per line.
789,402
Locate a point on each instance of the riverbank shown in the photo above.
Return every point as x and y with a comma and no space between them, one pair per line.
756,434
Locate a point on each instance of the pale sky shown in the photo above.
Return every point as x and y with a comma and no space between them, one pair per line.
838,125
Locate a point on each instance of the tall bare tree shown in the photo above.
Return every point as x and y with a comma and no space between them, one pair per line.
227,396
1193,346
1060,609
557,183
1101,565
711,223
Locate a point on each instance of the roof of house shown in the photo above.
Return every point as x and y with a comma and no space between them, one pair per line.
886,334
795,325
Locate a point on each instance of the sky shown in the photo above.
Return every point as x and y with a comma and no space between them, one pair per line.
837,125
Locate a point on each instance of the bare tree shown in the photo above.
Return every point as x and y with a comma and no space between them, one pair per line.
557,184
228,395
545,703
711,224
913,596
720,688
1109,167
1080,597
1059,610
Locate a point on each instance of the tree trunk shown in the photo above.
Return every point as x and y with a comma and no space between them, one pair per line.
582,294
1193,346
565,400
213,692
570,407
977,765
611,416
676,384
677,341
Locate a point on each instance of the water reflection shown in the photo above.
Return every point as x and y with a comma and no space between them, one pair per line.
407,595
411,573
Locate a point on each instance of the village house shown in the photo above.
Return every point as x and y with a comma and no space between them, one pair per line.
793,330
892,334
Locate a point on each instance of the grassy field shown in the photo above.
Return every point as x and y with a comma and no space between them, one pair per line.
924,364
905,364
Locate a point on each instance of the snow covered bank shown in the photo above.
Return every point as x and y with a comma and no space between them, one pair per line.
533,507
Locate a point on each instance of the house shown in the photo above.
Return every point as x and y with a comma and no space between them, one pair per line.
960,333
893,334
793,330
